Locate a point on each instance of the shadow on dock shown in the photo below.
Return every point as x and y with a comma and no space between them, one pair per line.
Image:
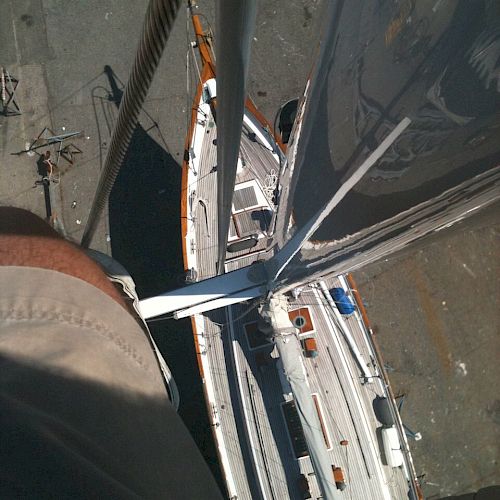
145,229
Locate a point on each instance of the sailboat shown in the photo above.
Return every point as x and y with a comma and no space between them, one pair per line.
394,138
290,400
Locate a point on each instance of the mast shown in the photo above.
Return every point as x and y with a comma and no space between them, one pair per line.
440,168
235,25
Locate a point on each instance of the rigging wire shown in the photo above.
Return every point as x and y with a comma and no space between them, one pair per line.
188,73
221,325
195,60
210,29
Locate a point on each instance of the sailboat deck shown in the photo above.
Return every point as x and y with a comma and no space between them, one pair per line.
204,203
245,395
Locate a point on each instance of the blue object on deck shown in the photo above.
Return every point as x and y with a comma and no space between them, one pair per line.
342,301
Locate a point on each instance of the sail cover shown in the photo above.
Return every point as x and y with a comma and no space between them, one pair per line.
434,64
275,315
235,24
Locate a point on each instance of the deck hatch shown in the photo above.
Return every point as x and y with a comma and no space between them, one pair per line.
295,430
255,337
301,319
244,198
251,222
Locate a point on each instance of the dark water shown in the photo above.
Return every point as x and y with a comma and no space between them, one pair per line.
144,215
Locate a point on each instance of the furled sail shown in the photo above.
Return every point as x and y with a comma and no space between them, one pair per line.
281,330
235,24
435,65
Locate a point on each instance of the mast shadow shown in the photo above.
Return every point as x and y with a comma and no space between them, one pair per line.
144,216
145,230
261,383
269,385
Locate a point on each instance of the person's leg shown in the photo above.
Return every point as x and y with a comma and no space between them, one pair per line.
27,240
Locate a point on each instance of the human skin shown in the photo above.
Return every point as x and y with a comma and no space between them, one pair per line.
27,240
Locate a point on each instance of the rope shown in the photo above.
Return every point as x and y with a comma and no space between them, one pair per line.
158,22
270,184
